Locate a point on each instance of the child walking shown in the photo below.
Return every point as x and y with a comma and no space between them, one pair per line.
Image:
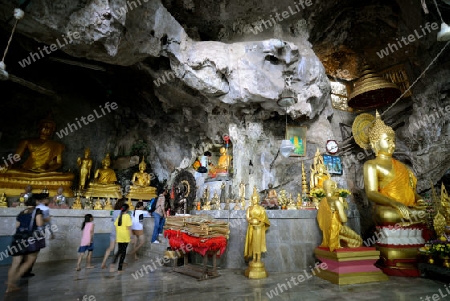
87,241
123,234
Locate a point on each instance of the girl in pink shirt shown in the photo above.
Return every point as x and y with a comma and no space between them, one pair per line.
87,239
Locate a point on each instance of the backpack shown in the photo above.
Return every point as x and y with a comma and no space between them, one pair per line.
151,207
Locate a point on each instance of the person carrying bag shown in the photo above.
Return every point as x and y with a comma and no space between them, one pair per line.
26,243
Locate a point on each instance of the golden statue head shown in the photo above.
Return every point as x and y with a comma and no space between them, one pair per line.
367,130
142,165
329,186
106,162
378,128
223,150
46,127
87,152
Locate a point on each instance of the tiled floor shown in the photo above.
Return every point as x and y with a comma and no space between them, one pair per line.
59,281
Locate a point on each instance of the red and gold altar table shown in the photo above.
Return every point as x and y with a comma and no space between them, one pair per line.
182,243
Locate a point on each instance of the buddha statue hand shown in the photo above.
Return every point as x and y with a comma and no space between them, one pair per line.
402,209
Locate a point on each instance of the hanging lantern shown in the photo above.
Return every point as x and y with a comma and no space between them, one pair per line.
372,91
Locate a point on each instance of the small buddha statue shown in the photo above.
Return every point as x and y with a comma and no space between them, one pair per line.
299,201
291,204
103,184
44,158
332,221
98,205
227,204
3,201
282,199
319,172
222,192
207,205
130,204
223,164
215,201
140,188
77,203
108,205
59,199
271,200
237,205
85,165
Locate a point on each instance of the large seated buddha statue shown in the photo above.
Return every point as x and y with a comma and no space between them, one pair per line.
43,157
391,186
140,188
104,182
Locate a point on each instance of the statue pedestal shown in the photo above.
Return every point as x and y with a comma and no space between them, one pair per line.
255,270
398,248
14,184
350,265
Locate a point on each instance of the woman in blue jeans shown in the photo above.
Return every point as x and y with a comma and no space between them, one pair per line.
159,215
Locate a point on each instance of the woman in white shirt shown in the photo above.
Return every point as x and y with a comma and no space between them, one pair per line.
138,227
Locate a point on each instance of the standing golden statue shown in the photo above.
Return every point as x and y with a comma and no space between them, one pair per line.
40,167
332,218
103,184
85,165
255,240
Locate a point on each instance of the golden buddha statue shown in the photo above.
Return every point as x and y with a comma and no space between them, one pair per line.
291,204
392,187
3,201
223,164
255,240
237,205
388,183
77,203
319,172
103,184
282,199
39,169
85,165
207,205
98,205
271,200
108,205
141,189
331,217
299,201
216,201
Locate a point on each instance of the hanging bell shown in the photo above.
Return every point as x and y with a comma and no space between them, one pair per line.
372,91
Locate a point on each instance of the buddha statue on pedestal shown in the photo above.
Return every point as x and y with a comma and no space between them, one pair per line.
98,205
108,205
41,165
391,186
332,221
3,201
103,184
59,200
215,201
140,188
77,203
291,204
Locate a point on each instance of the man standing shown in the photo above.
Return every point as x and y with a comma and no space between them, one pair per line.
159,215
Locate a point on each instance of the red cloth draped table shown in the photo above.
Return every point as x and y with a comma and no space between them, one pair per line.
205,246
